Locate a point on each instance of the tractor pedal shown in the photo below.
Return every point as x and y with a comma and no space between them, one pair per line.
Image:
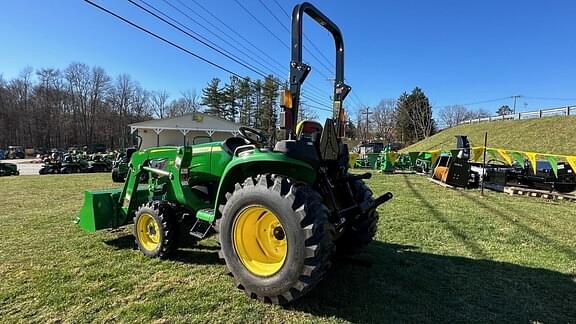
201,227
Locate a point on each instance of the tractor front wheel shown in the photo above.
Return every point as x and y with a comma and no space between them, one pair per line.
153,230
275,238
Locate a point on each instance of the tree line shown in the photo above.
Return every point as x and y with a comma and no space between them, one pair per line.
409,119
79,105
83,105
406,119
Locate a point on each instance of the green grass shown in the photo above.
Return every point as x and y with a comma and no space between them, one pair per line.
440,256
556,135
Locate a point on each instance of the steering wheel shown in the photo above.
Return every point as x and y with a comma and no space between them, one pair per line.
252,135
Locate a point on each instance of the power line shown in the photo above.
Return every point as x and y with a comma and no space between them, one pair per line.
164,39
479,102
154,8
316,107
306,37
271,12
249,67
315,101
232,30
211,32
262,24
229,54
354,95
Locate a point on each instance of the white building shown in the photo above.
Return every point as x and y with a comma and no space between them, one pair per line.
184,130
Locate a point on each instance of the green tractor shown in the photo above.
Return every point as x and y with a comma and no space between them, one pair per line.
280,212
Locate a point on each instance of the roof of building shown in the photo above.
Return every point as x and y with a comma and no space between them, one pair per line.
189,122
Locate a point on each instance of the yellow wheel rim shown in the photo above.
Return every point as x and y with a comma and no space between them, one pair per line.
148,232
260,241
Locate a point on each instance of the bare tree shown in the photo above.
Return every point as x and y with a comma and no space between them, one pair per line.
453,115
478,113
159,101
188,103
384,119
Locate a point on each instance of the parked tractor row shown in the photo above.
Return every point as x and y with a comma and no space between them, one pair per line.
58,163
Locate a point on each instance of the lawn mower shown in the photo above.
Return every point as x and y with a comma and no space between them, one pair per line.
280,212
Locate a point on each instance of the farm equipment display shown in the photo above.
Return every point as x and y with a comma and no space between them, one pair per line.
454,169
15,152
523,175
98,163
76,162
8,169
368,155
280,212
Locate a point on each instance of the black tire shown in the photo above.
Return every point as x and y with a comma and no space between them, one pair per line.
304,220
66,171
116,175
161,214
360,231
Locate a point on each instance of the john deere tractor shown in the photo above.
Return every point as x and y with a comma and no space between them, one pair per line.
279,212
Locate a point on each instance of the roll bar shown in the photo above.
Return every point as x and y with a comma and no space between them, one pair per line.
299,71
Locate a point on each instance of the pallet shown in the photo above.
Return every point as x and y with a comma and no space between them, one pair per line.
445,185
529,192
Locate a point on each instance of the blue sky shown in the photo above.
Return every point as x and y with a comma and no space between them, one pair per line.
457,51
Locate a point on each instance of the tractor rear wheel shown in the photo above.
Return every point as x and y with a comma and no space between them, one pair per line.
275,238
361,230
153,230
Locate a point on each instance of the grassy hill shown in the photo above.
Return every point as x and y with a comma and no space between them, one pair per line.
547,135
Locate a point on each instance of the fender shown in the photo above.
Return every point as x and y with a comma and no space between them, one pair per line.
253,164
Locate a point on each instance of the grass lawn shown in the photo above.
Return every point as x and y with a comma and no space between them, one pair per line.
440,255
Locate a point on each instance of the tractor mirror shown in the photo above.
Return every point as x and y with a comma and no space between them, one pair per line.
286,99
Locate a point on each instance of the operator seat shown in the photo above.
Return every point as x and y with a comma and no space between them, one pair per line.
307,144
309,130
232,143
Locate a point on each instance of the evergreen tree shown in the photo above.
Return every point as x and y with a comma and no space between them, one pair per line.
212,98
268,111
414,117
230,96
256,96
246,103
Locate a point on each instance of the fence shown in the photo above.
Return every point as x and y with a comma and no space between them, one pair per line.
562,111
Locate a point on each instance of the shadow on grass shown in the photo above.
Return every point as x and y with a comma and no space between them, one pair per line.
439,216
194,254
404,285
515,221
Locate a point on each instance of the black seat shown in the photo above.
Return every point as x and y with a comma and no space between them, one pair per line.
231,143
302,150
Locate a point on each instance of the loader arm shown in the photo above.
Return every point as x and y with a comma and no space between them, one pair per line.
176,160
166,181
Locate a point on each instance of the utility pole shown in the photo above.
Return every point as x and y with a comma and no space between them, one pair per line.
367,112
514,105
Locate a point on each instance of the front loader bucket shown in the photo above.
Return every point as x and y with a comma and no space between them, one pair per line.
100,210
